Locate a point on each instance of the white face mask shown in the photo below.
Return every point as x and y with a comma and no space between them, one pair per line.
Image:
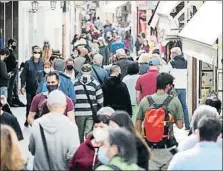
47,70
99,134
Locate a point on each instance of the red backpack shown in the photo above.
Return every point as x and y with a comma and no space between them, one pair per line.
156,121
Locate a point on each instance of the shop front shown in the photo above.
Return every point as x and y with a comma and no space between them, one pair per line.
200,45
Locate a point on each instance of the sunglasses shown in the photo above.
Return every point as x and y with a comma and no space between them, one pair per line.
36,52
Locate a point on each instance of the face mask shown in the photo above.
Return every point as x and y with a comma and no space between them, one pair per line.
102,156
52,87
99,134
47,70
36,55
70,67
13,47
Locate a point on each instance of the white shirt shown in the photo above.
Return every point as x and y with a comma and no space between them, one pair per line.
130,81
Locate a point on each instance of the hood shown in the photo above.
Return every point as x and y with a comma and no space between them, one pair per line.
61,74
88,141
86,79
53,122
113,81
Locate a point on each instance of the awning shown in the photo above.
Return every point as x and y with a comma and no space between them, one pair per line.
206,26
163,10
200,34
112,5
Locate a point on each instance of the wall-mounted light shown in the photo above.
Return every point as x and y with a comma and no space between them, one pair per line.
53,4
61,4
34,6
4,1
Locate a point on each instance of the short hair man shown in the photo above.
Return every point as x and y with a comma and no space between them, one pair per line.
38,105
178,68
206,154
60,133
98,72
4,75
199,113
164,85
146,83
106,111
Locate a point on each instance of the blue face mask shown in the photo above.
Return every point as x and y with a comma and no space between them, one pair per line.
102,157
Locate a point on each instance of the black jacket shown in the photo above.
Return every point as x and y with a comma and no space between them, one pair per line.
179,62
116,95
143,154
123,63
4,77
30,75
11,61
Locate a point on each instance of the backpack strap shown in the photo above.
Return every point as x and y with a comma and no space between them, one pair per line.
116,168
96,73
167,101
150,100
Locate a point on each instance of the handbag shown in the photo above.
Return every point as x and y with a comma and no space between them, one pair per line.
45,146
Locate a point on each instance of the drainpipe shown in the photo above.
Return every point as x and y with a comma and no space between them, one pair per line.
64,27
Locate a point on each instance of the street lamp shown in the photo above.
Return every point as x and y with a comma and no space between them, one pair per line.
34,6
53,4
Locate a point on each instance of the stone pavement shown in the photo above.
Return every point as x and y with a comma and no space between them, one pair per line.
20,113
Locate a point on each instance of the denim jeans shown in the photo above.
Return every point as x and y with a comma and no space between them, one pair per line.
182,97
4,91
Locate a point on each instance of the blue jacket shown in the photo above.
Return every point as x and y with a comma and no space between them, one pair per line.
30,76
66,86
115,46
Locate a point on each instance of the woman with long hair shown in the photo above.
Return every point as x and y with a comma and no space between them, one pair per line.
122,119
11,154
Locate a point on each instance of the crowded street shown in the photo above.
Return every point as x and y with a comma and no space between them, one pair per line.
111,85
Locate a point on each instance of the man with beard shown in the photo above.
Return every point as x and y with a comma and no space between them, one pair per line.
12,67
39,106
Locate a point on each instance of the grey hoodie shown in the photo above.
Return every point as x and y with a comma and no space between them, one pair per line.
62,140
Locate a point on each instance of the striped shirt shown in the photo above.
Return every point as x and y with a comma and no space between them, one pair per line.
82,107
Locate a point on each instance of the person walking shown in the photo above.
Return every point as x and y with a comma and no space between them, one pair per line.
99,73
118,151
152,110
86,156
54,138
121,119
104,50
29,77
178,68
70,71
47,51
122,61
9,119
143,63
116,94
206,154
4,75
130,81
39,106
89,100
118,44
12,67
146,84
11,152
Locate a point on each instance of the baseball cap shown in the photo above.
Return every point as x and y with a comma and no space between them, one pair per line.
154,62
86,68
56,98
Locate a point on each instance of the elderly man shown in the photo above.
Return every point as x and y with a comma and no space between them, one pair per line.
54,138
178,68
200,112
99,73
123,62
206,154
